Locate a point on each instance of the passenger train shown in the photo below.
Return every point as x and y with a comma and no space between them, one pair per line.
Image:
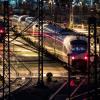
65,44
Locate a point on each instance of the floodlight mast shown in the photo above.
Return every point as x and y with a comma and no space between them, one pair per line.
6,52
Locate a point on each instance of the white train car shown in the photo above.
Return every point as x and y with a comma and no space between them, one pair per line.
63,42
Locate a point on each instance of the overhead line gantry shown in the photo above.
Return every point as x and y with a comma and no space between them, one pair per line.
6,52
92,52
40,43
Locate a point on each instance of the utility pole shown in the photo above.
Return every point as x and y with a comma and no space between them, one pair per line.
69,74
6,53
40,44
92,51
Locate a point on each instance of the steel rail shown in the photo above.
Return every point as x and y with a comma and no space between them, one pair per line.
58,90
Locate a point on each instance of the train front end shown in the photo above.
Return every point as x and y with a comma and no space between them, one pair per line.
79,55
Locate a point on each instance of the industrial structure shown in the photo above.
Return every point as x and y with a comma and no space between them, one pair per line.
92,72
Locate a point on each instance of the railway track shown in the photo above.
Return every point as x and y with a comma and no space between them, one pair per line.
27,82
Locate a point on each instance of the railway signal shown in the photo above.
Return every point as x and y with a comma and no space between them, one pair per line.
2,32
72,83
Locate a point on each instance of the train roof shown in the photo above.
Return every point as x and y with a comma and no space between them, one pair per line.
53,28
56,29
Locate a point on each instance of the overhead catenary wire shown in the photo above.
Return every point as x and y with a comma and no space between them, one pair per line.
25,29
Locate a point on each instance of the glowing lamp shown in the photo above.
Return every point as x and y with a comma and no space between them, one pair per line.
73,57
72,83
86,58
1,31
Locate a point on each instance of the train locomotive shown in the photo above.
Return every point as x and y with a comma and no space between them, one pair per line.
63,43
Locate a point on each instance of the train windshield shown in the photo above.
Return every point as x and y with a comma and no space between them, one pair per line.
65,31
79,46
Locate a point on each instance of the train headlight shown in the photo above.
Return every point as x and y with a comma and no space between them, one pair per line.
86,57
73,57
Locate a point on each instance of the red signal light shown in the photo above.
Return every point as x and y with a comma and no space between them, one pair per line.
1,31
72,83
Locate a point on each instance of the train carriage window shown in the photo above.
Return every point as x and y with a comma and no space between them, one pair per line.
82,42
